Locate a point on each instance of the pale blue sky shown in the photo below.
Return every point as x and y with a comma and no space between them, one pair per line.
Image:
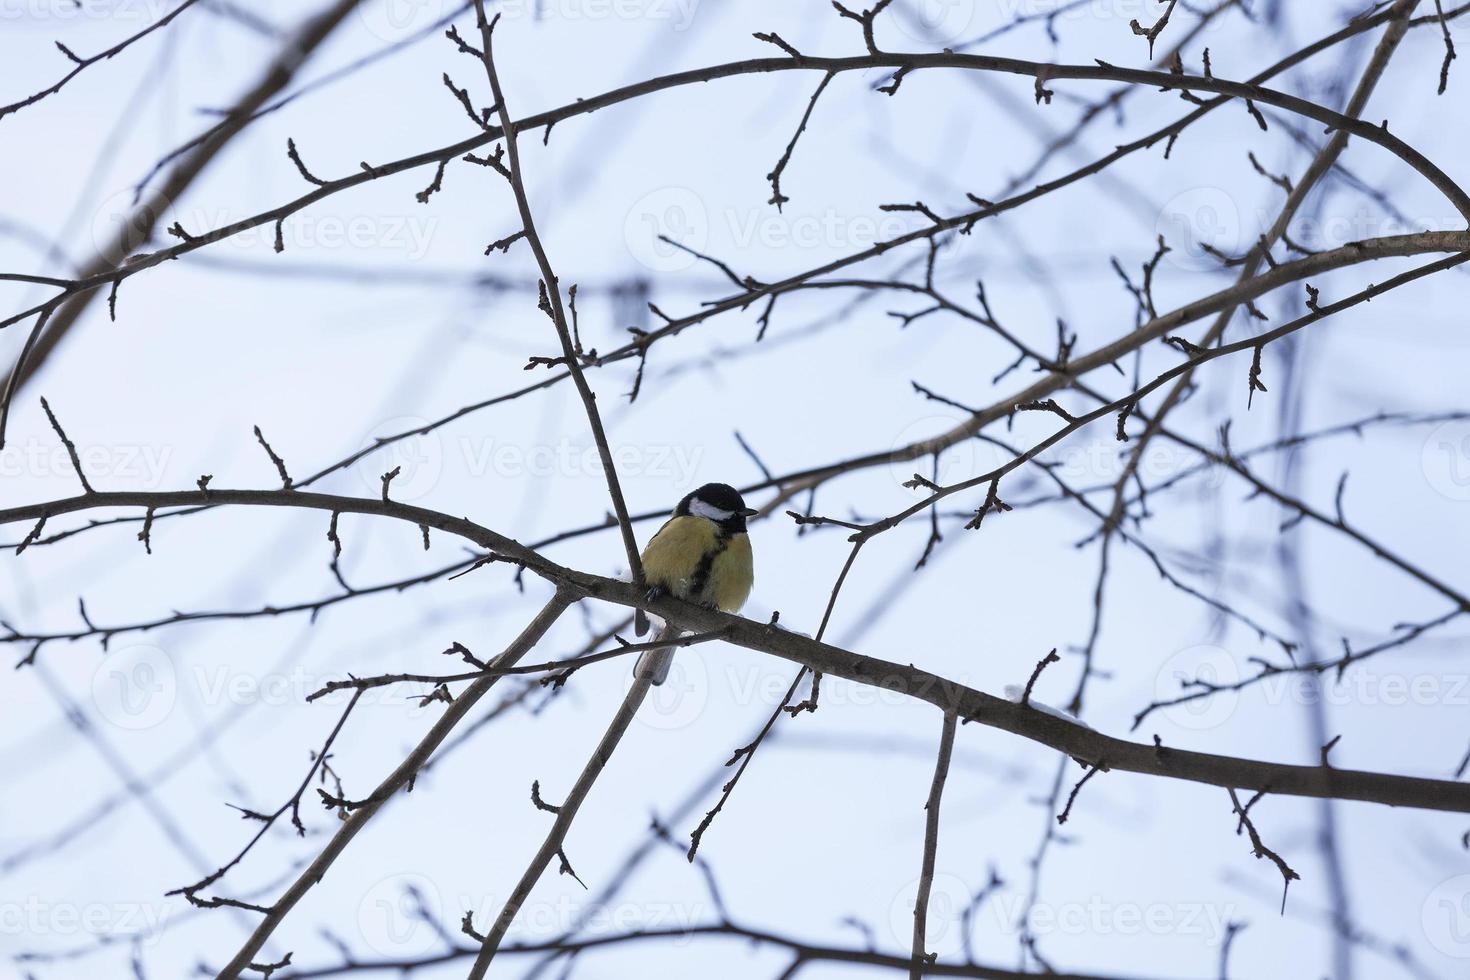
828,823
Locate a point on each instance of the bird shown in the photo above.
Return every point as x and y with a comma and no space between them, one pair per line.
701,555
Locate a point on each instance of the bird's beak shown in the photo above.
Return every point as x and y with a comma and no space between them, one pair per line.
749,512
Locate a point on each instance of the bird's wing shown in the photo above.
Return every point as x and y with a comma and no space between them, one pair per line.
732,575
674,553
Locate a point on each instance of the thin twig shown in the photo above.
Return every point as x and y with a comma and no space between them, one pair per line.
548,277
931,846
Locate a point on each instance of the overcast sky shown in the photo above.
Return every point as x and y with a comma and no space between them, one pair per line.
383,313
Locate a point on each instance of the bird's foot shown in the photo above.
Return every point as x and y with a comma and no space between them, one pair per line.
640,618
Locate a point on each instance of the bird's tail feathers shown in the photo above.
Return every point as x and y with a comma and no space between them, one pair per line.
654,664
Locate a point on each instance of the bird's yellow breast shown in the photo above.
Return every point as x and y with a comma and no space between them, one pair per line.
696,561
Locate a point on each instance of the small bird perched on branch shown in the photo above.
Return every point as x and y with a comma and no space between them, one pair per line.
701,555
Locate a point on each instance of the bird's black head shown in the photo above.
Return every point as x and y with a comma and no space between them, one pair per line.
719,502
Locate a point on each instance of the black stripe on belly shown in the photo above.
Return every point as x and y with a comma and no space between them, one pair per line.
700,578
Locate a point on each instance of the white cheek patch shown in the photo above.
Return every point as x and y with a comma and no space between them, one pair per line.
699,508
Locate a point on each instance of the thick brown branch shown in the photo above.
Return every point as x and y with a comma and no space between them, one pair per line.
1071,739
